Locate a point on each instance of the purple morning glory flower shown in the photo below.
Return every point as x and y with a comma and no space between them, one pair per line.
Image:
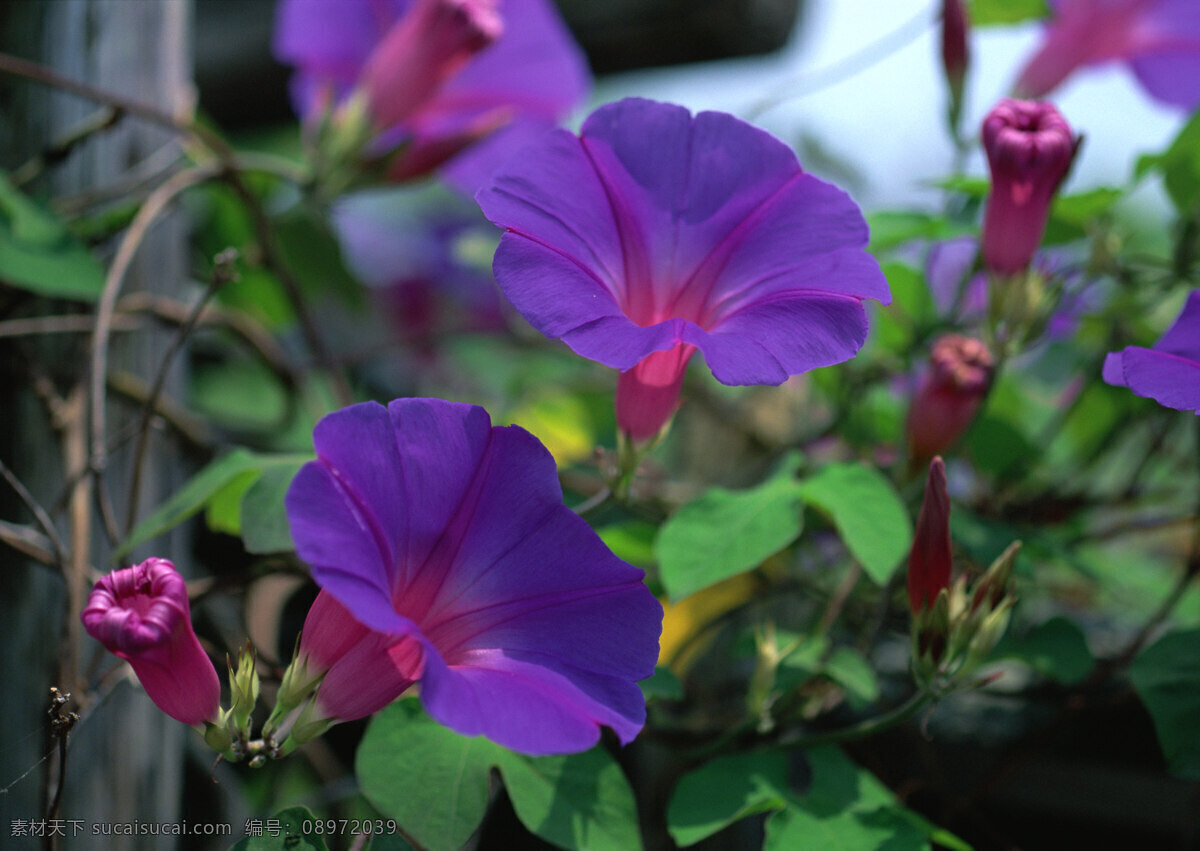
655,233
1158,39
1169,371
448,537
461,83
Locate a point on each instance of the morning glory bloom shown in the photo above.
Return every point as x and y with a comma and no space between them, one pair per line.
1158,39
1169,371
446,538
141,614
462,84
655,233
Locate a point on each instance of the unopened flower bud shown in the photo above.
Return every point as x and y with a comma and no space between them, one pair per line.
949,395
432,42
955,52
993,586
142,615
1030,149
929,560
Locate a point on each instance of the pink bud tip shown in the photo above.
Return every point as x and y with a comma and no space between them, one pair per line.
142,615
1030,149
930,558
949,396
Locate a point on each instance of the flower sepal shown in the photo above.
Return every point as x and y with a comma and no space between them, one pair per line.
243,690
954,636
217,736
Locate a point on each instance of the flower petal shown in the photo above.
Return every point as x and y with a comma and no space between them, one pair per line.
501,581
1168,379
530,703
1171,77
1114,369
767,341
535,66
367,513
654,225
329,41
1183,337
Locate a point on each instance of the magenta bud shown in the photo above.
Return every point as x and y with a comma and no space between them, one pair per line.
648,394
930,558
1030,149
955,52
142,615
949,395
430,44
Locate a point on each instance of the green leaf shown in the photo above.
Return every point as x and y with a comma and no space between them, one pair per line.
631,541
1070,214
189,499
1055,649
431,780
220,480
575,801
847,830
239,394
724,533
844,806
867,512
849,669
263,517
890,228
664,684
1180,167
1166,676
434,783
296,830
39,254
988,12
910,293
724,791
223,513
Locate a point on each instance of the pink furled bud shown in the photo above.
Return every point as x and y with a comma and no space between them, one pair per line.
949,396
955,53
648,394
142,614
930,558
433,41
361,670
1029,148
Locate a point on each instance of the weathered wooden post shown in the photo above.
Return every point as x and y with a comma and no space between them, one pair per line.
125,759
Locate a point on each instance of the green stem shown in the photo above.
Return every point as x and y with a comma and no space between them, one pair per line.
867,727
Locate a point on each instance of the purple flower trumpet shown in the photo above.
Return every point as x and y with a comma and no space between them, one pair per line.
654,234
447,558
458,85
